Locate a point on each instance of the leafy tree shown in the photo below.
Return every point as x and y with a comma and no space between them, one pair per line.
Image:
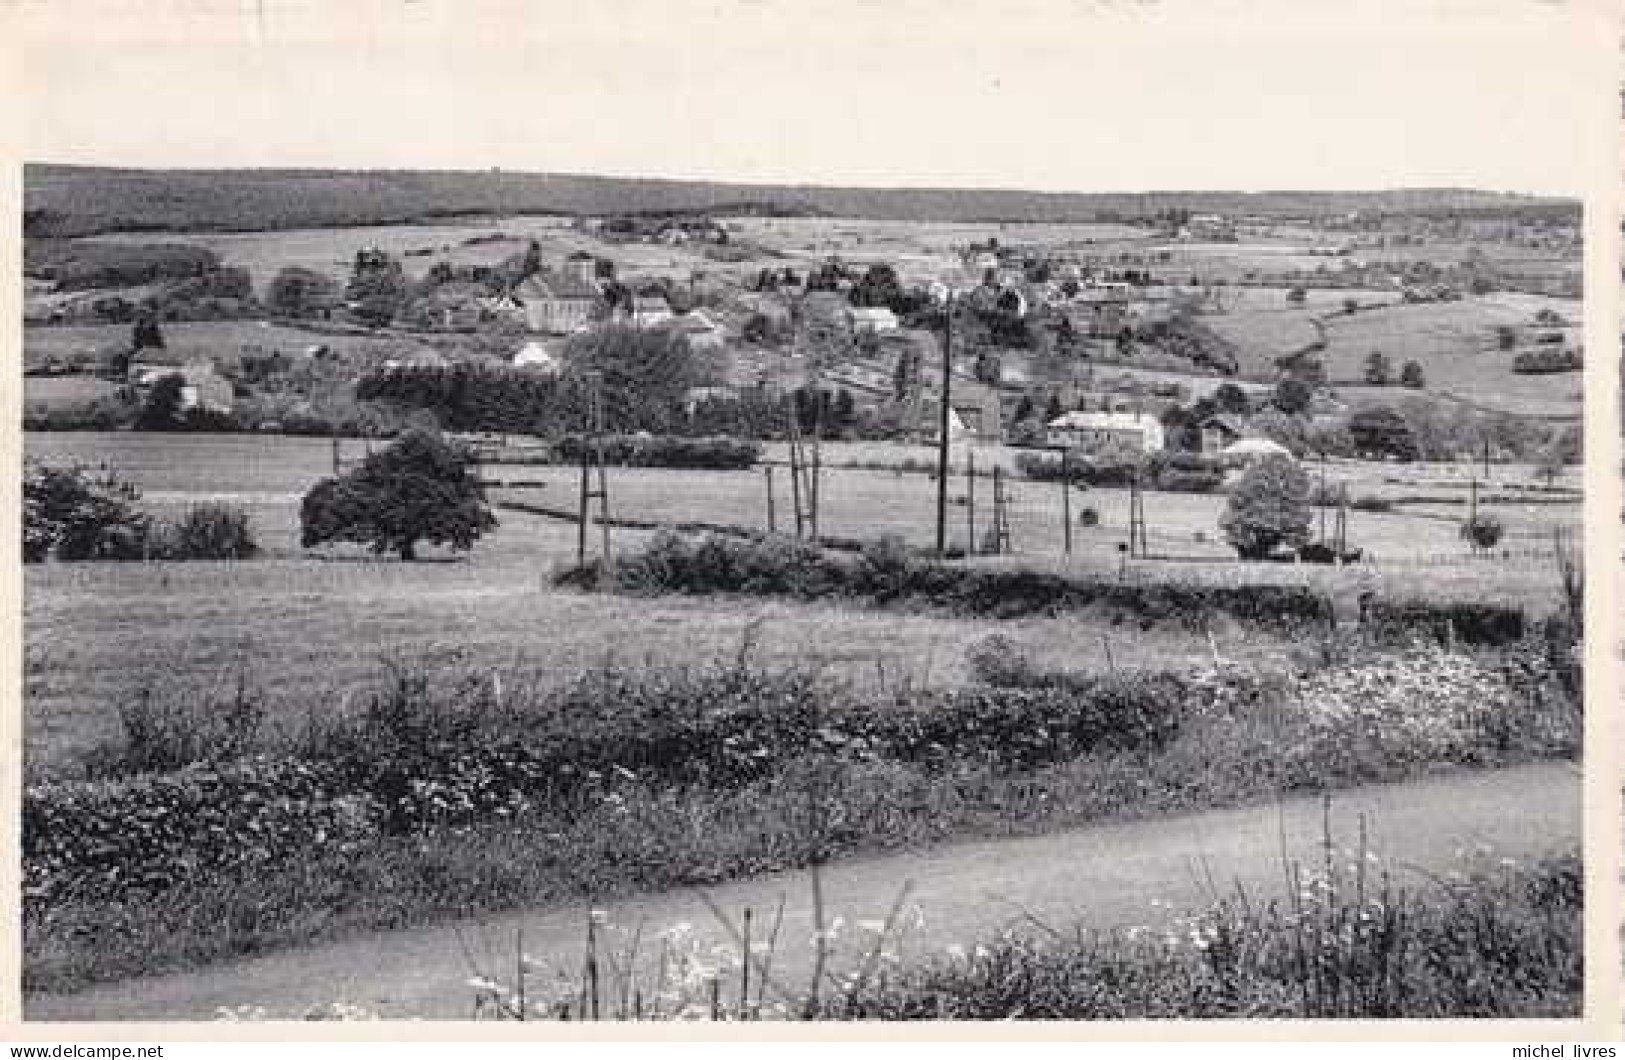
1268,507
1052,408
420,488
1377,368
989,368
1025,409
878,287
1411,376
646,374
1483,531
1383,432
1297,296
1292,396
162,411
145,335
1065,333
69,513
1231,399
845,411
1506,337
377,287
295,291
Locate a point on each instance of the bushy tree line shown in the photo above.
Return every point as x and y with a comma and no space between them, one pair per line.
71,514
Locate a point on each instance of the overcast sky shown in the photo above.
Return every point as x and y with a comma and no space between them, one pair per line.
1079,95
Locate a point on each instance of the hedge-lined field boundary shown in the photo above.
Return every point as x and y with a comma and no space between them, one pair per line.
886,572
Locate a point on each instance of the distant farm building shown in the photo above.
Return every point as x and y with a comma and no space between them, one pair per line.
877,320
1250,450
650,310
557,305
201,386
536,357
1095,431
700,330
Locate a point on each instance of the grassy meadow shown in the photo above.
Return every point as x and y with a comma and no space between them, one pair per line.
307,629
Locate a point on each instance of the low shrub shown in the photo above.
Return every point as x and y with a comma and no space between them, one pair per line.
1548,362
1483,531
1467,622
161,733
207,532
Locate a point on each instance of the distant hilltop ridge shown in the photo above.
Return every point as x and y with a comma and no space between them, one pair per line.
70,200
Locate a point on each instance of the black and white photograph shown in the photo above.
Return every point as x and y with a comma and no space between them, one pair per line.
767,512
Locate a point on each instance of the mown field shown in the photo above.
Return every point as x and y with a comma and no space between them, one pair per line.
303,629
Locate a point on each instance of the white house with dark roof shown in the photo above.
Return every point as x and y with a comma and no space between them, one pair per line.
1095,431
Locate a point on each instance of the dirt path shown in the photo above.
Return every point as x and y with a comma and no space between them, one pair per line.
1109,876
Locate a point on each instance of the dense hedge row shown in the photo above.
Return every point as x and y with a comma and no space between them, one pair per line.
664,450
422,759
886,572
1169,472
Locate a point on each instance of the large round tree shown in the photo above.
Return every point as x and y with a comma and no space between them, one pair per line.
420,488
1268,507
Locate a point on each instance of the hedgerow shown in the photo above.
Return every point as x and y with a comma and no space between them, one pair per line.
671,451
420,759
768,565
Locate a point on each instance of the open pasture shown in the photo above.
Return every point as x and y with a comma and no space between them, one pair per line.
223,340
419,246
1455,344
306,630
314,635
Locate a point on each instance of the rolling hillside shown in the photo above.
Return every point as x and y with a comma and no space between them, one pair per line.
64,200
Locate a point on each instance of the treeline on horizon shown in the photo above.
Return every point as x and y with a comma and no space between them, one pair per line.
71,200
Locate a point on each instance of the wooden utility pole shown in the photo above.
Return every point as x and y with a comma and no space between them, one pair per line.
1001,517
795,468
592,452
1066,512
970,503
1138,546
335,452
1342,521
812,486
771,525
942,426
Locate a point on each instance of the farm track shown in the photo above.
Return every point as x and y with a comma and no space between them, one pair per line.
1109,877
